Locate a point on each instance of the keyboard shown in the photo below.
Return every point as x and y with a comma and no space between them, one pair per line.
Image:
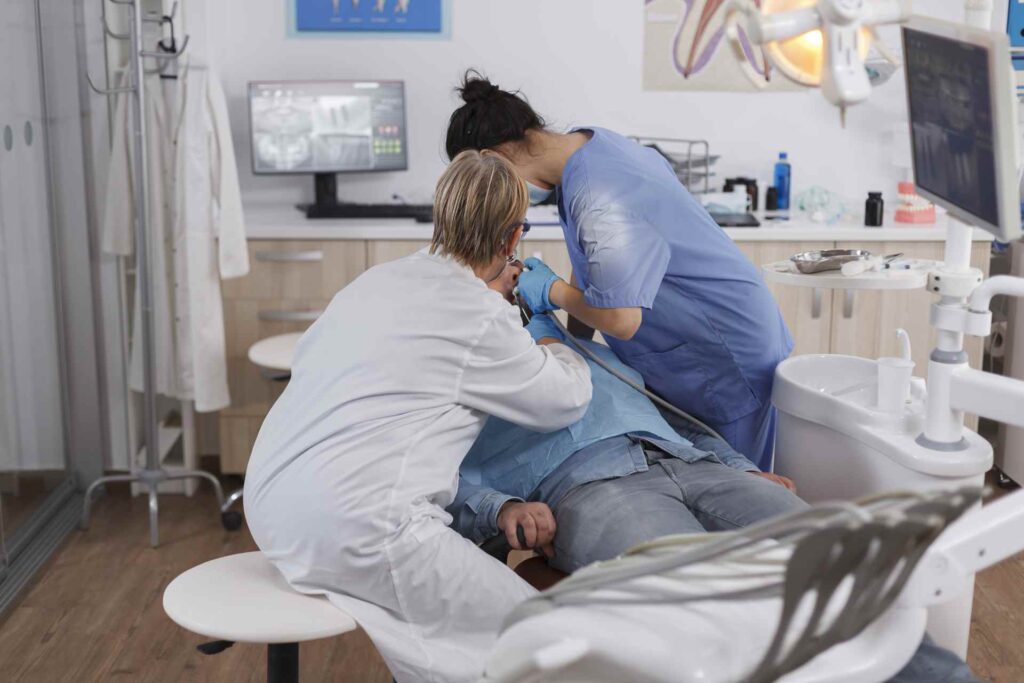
423,213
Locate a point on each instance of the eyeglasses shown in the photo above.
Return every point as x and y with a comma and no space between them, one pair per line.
525,225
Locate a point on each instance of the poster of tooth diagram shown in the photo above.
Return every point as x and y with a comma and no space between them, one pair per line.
685,48
423,16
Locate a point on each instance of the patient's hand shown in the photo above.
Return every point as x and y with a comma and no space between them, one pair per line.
778,479
538,525
506,282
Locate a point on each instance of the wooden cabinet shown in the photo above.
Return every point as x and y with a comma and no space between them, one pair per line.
289,284
382,252
807,312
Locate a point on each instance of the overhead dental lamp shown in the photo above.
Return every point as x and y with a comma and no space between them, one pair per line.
817,43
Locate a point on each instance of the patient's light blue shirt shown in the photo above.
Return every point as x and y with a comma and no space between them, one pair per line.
508,462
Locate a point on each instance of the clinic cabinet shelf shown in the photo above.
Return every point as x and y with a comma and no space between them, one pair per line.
291,281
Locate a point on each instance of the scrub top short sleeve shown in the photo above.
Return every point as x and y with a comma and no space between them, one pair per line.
626,258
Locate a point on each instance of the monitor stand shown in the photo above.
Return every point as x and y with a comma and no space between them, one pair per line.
327,205
326,202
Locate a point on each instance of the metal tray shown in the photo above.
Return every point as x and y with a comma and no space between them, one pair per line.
808,262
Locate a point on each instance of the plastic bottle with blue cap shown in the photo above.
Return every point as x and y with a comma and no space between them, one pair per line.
782,181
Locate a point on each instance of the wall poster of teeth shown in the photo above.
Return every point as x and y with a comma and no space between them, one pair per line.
408,16
686,48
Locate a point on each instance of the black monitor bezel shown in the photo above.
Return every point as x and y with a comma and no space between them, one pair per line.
1008,227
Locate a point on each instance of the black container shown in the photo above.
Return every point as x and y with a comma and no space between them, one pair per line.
771,199
873,210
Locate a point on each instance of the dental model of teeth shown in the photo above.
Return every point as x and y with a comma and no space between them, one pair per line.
913,208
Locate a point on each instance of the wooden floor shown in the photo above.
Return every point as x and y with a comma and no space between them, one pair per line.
95,612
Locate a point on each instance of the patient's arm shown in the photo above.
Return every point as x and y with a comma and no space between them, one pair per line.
712,444
475,510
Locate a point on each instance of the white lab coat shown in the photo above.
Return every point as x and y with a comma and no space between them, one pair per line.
196,231
348,482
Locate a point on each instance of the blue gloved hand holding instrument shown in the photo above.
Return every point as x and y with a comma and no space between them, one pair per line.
535,285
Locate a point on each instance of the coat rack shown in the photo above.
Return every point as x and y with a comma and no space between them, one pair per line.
153,473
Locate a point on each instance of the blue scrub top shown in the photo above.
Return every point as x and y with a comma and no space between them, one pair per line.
712,333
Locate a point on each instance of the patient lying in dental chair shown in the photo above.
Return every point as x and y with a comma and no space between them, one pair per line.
623,475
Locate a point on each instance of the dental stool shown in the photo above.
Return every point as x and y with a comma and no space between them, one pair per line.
244,599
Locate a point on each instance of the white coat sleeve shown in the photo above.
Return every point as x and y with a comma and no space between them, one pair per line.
233,253
116,233
509,376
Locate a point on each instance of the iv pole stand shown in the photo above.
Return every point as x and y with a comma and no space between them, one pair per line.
153,474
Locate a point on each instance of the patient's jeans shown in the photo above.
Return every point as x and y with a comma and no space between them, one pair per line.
600,520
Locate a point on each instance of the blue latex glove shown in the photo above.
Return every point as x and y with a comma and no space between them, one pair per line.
535,285
541,325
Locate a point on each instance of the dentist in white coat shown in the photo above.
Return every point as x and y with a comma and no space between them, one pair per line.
347,484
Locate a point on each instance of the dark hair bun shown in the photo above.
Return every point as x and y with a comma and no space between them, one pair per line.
476,88
489,116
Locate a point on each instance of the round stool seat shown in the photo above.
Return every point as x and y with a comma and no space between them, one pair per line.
243,598
275,353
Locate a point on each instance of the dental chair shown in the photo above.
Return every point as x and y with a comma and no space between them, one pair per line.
817,595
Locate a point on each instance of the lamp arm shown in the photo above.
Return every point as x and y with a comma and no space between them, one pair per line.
886,12
765,28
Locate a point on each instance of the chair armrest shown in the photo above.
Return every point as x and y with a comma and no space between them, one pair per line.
497,547
579,329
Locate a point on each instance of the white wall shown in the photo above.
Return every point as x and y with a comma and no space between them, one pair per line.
579,61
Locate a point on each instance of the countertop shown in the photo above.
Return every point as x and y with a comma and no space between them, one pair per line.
279,221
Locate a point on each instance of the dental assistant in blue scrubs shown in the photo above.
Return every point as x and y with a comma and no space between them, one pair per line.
669,290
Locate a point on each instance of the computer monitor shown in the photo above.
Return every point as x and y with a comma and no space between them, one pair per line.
327,127
963,127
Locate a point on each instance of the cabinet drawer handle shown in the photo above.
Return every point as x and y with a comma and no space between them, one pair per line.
289,316
308,256
816,304
848,300
275,375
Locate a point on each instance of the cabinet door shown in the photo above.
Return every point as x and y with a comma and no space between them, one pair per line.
807,312
237,437
297,269
388,250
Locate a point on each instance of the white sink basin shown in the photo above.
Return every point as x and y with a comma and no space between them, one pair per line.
841,391
834,397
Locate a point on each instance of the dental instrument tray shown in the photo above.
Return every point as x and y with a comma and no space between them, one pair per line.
808,262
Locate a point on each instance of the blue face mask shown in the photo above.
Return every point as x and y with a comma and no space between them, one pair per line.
537,194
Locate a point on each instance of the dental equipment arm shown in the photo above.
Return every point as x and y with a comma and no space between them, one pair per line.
979,540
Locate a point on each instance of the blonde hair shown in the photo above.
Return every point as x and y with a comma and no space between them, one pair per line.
479,198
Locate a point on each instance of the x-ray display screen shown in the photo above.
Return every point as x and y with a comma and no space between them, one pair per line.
327,126
951,124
